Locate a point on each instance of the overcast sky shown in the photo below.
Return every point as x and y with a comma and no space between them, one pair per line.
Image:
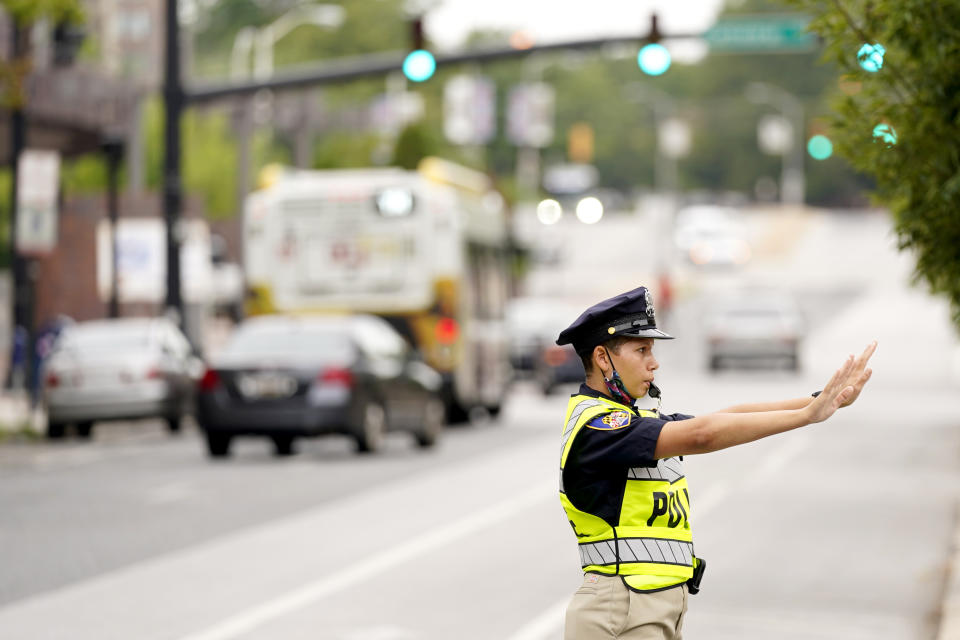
551,20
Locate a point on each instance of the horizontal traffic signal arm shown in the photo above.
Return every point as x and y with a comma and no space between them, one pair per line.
347,69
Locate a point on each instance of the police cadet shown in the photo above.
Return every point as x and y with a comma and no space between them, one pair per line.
621,474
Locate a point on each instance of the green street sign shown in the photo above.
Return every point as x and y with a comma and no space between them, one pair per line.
770,32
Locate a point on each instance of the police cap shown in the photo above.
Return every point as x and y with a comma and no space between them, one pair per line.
629,314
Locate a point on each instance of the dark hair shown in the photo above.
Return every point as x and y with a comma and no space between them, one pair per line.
613,344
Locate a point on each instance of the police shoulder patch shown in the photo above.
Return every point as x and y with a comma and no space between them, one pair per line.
613,420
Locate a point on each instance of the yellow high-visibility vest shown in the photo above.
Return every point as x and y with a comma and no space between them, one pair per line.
651,544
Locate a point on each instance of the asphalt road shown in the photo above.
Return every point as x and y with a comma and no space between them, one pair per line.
840,530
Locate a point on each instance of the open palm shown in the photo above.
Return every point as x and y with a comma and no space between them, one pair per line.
834,394
860,374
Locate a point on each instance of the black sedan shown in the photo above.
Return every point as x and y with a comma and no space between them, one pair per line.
289,377
555,366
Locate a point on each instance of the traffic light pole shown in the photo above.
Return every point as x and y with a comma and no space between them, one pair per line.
21,359
382,64
174,102
113,149
177,98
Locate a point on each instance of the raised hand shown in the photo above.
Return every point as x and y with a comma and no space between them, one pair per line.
834,394
860,374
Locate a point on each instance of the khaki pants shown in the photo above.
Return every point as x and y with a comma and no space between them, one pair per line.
604,607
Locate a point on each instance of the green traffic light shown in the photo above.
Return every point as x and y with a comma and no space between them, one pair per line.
419,65
870,57
819,147
654,59
886,134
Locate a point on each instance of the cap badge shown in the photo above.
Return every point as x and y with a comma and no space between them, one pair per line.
649,300
611,330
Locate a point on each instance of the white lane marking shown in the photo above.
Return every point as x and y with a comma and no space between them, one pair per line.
550,623
373,566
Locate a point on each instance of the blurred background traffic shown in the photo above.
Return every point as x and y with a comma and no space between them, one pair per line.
368,221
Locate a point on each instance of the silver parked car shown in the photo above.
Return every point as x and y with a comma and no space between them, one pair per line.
754,327
118,369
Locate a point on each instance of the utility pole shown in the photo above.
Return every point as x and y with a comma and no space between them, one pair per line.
113,150
173,98
22,317
792,177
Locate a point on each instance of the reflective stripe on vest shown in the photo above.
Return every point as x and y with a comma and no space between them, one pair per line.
669,470
651,540
572,420
573,417
637,550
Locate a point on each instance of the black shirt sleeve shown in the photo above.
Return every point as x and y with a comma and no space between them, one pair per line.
595,473
633,445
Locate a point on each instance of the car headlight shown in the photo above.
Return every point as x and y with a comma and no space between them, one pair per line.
394,202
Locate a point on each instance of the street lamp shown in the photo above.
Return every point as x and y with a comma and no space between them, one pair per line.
262,39
673,135
792,179
673,142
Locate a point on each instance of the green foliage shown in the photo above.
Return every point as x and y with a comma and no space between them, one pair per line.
341,149
26,12
86,174
210,166
367,28
209,156
599,91
606,90
414,143
265,149
595,87
591,87
917,92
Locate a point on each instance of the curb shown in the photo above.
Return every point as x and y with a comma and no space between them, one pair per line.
950,607
16,414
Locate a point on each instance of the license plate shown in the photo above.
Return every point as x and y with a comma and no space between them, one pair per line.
267,385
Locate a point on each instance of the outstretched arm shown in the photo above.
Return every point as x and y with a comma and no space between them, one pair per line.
776,405
857,378
715,431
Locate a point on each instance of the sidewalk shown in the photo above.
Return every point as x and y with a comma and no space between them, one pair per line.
950,606
16,415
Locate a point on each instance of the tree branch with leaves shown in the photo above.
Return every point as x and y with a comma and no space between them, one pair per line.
26,12
915,157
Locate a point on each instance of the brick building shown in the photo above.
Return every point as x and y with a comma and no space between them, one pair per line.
66,279
72,110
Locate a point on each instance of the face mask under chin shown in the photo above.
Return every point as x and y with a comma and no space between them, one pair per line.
615,385
617,390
